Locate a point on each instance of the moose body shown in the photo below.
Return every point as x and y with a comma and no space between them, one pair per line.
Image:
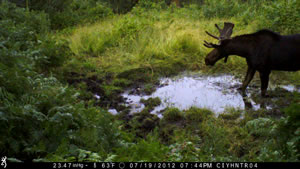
264,51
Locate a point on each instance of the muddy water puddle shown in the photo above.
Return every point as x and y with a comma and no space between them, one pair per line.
216,93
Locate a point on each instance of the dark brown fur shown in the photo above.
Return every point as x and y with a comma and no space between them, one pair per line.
264,51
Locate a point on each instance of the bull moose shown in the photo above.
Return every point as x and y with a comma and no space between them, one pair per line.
264,51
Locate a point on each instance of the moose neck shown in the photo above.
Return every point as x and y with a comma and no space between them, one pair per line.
240,46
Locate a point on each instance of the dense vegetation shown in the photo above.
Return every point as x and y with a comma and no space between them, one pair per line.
55,55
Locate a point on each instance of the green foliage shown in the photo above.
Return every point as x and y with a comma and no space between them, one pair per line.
48,115
261,127
172,114
22,44
232,114
19,18
54,52
78,11
197,115
151,103
43,119
282,16
282,136
40,117
143,123
185,148
68,12
121,6
222,8
145,150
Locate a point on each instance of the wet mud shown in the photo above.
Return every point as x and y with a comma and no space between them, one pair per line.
217,93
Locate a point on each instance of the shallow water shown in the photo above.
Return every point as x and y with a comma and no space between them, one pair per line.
184,91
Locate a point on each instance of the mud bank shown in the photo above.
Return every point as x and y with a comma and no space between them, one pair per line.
216,93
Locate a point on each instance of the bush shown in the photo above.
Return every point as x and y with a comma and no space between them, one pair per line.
67,13
39,116
48,118
222,8
146,150
282,16
173,114
197,115
37,22
79,12
121,6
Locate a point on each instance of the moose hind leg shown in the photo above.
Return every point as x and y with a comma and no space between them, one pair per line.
264,79
248,78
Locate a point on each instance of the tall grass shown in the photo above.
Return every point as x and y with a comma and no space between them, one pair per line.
44,119
164,46
166,41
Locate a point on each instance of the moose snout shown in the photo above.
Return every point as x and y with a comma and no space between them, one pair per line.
208,62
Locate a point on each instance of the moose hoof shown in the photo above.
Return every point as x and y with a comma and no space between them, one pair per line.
264,95
242,91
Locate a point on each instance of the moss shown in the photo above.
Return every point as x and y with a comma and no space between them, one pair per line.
136,74
149,88
231,114
167,130
195,114
120,82
143,123
111,91
151,103
173,115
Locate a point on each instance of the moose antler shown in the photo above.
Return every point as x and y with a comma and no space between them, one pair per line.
225,33
209,45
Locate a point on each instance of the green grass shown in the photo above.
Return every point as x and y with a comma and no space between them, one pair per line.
161,42
44,119
162,46
143,45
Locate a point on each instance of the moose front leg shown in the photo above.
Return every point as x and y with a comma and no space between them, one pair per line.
264,79
248,78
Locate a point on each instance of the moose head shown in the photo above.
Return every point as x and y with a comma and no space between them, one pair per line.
219,51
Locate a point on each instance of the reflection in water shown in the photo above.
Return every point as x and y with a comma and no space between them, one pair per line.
215,93
212,92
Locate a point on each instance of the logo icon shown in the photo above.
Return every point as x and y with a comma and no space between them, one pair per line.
3,161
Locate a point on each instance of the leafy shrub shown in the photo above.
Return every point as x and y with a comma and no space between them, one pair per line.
37,22
173,114
222,8
39,116
146,150
121,6
129,26
281,16
54,52
260,127
68,12
195,114
150,5
281,138
48,116
151,102
79,12
231,114
183,151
